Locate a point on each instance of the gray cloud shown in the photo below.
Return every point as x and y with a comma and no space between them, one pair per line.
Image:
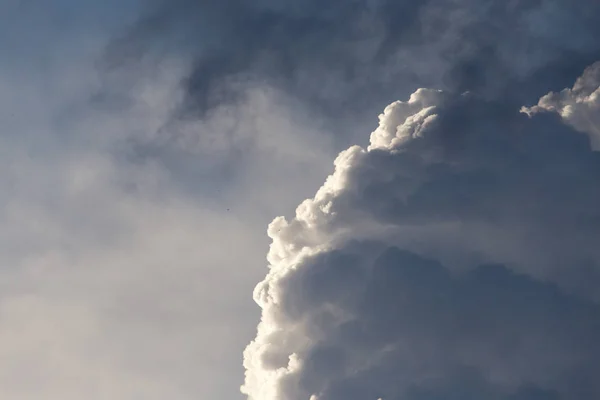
354,57
456,257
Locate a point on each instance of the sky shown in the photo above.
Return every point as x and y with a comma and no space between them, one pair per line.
292,200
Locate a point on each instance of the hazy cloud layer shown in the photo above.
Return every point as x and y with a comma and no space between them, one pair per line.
121,230
454,258
107,266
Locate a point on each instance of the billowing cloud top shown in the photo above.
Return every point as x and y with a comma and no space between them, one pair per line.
455,258
579,106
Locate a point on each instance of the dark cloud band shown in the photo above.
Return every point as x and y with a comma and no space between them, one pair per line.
350,56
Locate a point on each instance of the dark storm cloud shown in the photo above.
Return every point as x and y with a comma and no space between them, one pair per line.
355,56
454,258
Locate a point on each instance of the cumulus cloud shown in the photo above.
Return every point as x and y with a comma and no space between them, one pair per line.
579,106
455,257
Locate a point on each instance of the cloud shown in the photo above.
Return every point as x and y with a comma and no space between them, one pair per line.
134,188
455,257
108,269
354,57
579,106
121,230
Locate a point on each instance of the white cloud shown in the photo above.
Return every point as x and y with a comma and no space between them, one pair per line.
455,257
579,106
